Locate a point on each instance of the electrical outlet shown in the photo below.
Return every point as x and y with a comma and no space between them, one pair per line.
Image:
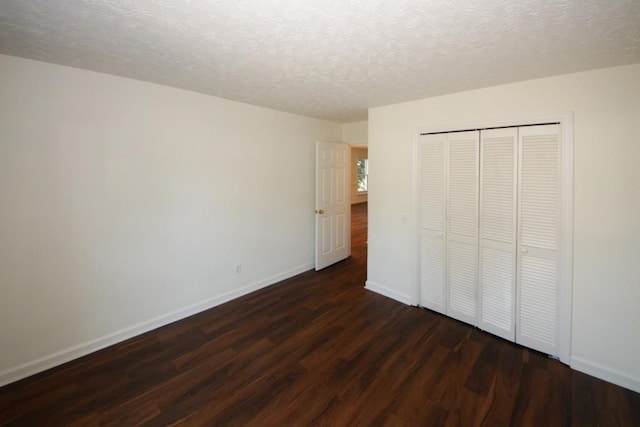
238,268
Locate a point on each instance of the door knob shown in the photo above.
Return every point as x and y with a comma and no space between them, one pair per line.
319,211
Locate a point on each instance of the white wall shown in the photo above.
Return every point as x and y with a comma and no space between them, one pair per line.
606,285
125,205
355,132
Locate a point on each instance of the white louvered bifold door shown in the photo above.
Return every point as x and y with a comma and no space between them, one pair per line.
462,226
497,255
432,152
539,234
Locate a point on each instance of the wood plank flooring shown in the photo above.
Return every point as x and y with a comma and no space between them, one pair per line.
317,349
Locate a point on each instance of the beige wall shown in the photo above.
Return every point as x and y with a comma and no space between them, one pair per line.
357,153
355,132
606,285
125,205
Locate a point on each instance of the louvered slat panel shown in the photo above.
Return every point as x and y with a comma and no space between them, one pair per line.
463,186
462,267
539,192
432,151
538,292
497,291
497,262
539,231
432,182
498,189
462,226
432,273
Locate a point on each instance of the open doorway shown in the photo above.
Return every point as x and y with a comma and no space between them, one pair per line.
359,202
359,173
359,233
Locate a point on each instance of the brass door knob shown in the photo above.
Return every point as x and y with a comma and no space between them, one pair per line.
319,211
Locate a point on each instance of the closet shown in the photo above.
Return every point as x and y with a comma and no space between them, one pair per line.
490,220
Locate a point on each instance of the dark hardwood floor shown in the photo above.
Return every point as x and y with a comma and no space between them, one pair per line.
317,349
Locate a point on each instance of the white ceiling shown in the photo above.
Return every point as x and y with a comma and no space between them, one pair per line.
330,59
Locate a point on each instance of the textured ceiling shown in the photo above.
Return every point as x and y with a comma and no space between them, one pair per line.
330,59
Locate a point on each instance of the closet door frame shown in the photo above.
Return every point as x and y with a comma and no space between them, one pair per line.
565,120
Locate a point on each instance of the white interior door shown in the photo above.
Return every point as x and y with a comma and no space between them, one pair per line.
333,207
497,263
432,154
539,238
462,226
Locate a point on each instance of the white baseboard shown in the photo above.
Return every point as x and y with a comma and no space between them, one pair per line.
389,293
68,354
605,373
